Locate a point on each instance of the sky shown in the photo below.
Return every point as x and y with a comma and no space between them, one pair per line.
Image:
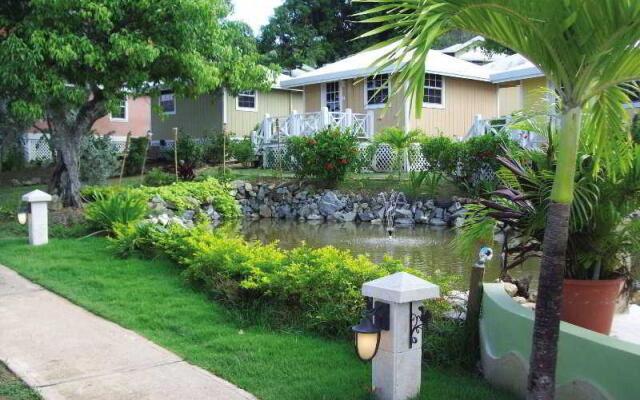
254,12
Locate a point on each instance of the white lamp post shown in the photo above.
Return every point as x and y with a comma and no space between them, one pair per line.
390,333
36,214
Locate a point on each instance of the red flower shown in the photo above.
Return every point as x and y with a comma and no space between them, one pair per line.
328,166
343,161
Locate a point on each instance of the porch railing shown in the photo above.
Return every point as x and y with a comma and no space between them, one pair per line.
525,139
277,129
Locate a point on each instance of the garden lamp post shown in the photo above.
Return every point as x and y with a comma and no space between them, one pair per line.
390,333
35,213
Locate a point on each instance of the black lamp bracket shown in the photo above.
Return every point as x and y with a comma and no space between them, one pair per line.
417,322
379,312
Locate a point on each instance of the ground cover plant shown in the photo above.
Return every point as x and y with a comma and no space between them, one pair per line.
149,296
12,388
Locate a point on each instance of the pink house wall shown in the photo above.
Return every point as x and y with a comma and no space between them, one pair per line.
138,119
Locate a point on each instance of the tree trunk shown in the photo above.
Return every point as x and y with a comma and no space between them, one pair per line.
546,329
67,128
65,181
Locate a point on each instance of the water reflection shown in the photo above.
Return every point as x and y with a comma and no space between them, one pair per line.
421,247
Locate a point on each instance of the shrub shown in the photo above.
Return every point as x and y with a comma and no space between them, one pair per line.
400,142
442,154
328,156
316,289
136,156
122,207
157,177
98,159
242,151
214,146
12,155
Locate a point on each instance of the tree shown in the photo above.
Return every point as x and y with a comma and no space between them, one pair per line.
588,49
70,62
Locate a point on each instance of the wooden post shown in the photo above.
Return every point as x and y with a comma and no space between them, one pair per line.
474,302
146,154
124,157
175,150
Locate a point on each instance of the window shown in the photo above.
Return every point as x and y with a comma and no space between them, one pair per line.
121,113
377,90
635,95
332,96
168,101
433,90
247,100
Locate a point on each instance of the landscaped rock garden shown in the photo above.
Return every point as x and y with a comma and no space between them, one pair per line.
294,201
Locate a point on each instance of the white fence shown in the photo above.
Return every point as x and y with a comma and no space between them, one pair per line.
526,139
36,146
277,129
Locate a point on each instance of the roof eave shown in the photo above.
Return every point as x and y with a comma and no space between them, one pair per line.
514,75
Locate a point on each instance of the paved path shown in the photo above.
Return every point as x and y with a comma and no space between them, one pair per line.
65,352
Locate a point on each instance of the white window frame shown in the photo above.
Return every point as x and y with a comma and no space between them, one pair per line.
175,103
255,101
323,94
434,105
126,113
373,106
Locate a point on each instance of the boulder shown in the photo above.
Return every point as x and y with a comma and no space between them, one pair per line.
345,216
366,216
265,211
404,221
510,288
330,203
437,222
315,217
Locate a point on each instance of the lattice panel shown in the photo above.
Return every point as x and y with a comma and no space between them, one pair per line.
384,158
277,157
37,150
417,162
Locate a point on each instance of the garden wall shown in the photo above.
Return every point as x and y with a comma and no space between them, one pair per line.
590,365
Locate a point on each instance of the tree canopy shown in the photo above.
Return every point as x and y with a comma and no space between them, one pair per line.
71,61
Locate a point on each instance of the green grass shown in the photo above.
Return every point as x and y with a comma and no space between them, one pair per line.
12,388
150,297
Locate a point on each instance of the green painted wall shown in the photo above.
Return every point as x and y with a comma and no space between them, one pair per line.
590,365
194,117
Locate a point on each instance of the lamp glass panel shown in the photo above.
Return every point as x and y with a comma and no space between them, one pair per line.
366,345
22,218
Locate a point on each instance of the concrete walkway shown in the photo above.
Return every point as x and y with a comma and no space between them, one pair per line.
65,352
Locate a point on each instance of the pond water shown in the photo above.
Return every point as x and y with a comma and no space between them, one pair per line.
421,247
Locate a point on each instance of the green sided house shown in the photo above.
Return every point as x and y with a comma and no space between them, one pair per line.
221,111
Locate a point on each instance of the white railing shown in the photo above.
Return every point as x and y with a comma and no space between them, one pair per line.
275,130
481,126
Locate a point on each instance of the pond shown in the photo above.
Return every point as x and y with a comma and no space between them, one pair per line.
422,247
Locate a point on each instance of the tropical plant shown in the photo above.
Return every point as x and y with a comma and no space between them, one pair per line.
327,156
98,159
122,207
242,150
400,143
216,147
157,177
423,182
587,48
137,154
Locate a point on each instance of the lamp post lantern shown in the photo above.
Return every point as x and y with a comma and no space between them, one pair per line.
397,350
37,216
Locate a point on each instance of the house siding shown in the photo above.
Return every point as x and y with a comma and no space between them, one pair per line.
533,94
509,98
276,103
312,100
194,117
464,99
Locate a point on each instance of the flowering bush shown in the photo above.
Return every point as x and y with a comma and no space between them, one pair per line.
328,156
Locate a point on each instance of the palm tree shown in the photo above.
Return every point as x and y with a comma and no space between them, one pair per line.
400,142
587,48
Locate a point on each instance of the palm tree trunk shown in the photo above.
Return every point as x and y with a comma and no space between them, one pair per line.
546,328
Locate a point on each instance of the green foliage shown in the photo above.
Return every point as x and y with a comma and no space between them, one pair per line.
98,159
123,207
157,177
442,154
242,151
399,141
635,129
189,150
316,289
423,183
327,156
216,147
181,196
136,156
12,156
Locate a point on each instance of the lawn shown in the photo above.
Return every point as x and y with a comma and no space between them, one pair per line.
12,388
150,297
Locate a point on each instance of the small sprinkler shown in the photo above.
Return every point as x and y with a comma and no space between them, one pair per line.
486,254
390,230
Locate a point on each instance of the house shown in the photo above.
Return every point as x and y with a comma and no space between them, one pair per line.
472,51
456,92
222,111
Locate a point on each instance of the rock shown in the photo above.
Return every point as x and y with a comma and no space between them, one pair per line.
15,182
188,215
520,300
510,288
163,219
55,204
376,221
283,211
315,217
345,216
157,200
458,222
265,211
248,187
530,306
366,216
404,221
329,203
437,222
438,213
404,213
